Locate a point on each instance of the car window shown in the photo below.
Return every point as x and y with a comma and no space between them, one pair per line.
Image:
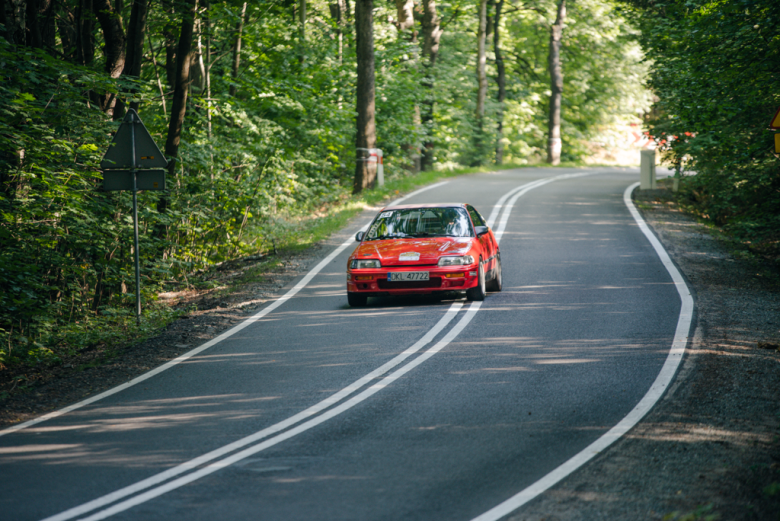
420,222
476,218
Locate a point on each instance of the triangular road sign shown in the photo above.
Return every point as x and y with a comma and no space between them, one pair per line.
120,153
775,120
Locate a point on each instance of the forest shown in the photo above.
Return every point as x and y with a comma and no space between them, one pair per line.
266,111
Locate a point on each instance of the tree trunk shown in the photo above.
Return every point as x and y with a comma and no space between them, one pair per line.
135,49
66,25
169,33
207,64
49,25
114,50
4,20
500,81
41,32
85,41
33,33
431,37
405,15
180,91
302,15
365,171
337,12
406,31
237,51
16,30
481,60
556,86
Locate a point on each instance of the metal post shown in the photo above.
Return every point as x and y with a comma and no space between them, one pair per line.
134,172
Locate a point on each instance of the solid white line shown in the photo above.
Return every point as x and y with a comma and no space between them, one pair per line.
500,204
230,332
499,232
184,480
268,431
193,464
663,380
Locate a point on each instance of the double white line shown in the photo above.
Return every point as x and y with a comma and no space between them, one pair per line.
321,412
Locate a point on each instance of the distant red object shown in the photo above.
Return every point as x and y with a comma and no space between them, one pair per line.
424,249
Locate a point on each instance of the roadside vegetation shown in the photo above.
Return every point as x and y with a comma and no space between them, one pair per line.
263,109
260,107
715,70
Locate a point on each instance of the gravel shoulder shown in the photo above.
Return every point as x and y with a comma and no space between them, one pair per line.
710,449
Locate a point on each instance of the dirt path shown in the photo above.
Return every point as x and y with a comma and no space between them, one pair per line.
710,449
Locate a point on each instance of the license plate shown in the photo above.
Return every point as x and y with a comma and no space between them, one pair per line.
399,276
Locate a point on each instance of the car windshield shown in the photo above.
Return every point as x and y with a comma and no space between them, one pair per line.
420,222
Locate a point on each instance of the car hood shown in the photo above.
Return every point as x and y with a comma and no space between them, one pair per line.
401,252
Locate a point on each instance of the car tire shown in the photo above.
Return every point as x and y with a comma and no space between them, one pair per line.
478,292
356,300
497,282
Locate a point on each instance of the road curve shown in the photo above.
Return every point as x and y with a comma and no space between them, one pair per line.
409,408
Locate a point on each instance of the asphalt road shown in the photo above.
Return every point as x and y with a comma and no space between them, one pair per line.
519,385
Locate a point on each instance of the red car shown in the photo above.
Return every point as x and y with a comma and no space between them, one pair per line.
423,249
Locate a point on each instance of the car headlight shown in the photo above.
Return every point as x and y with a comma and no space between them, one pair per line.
465,260
359,264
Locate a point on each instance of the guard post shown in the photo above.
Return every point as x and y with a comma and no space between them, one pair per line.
647,170
373,159
134,162
375,155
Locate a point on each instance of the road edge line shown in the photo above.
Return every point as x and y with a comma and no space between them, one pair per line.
657,389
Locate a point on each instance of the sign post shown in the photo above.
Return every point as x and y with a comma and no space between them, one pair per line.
128,165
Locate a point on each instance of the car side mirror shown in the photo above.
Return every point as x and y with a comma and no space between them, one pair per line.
481,230
359,236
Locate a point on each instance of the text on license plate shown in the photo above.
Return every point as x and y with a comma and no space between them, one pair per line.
397,276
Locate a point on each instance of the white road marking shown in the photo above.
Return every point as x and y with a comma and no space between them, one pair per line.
218,465
521,191
660,385
227,334
335,411
268,431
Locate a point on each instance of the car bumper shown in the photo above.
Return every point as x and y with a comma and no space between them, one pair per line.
373,282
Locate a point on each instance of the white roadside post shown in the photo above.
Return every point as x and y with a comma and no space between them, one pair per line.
647,170
378,157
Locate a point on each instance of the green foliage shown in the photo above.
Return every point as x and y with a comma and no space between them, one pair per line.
256,163
715,71
604,76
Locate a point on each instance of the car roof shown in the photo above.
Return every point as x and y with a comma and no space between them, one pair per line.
427,205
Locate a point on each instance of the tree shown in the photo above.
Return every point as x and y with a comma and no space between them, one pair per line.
556,86
365,139
500,82
481,62
180,91
237,50
431,37
136,31
115,51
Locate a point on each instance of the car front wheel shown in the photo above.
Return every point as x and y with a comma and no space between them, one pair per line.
478,291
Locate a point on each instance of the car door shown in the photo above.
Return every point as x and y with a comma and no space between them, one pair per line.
486,240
